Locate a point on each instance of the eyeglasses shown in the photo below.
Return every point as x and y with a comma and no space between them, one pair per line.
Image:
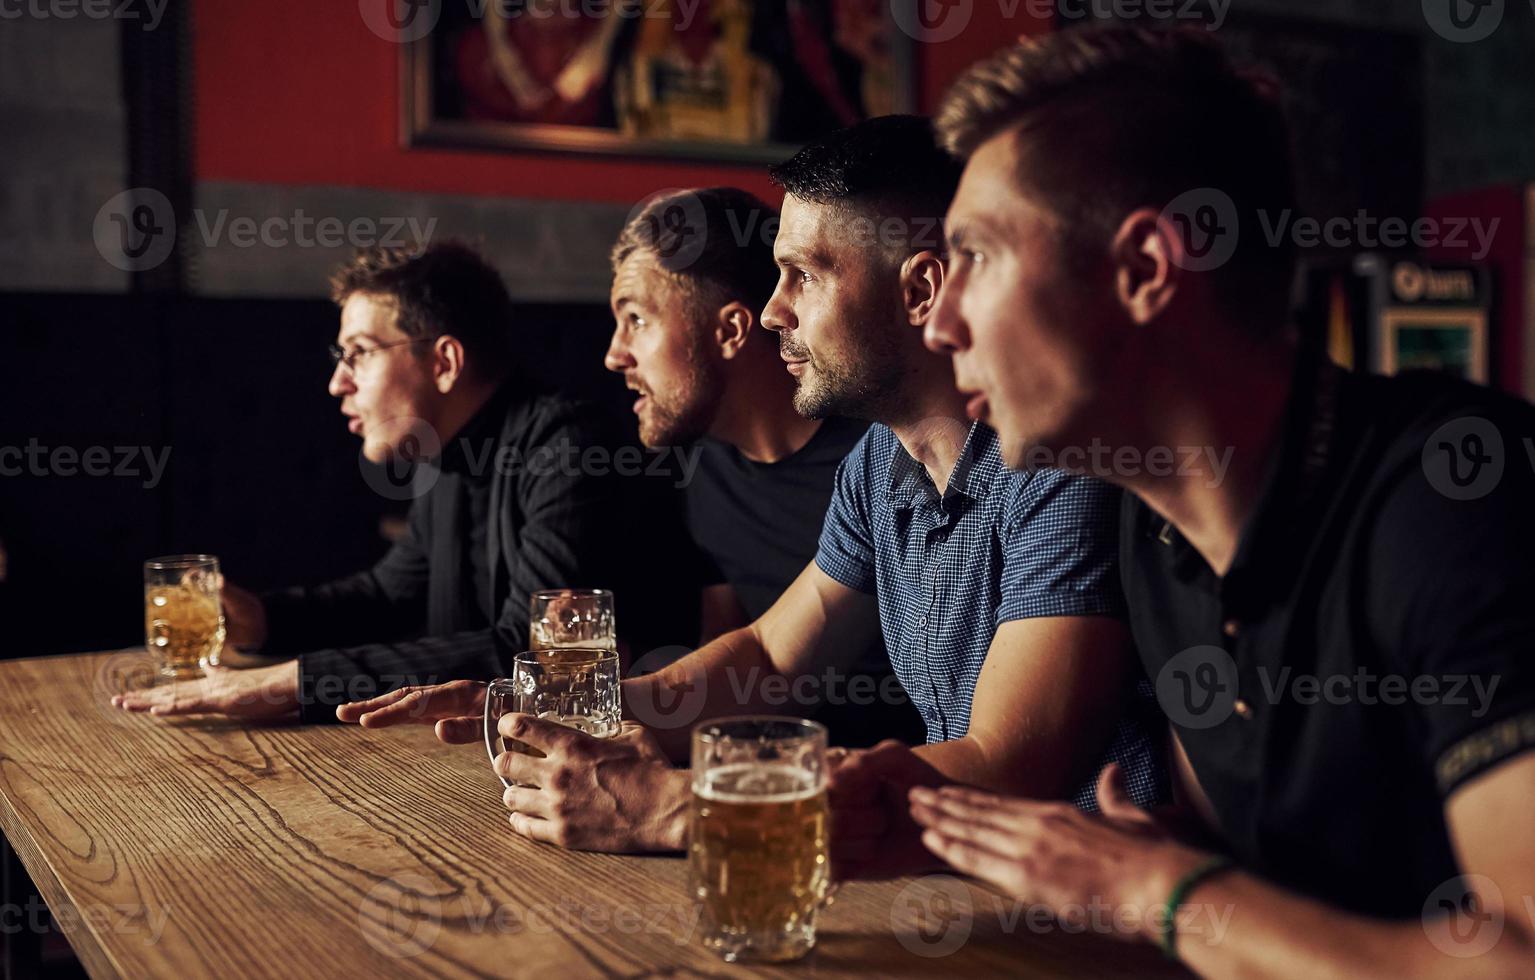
339,355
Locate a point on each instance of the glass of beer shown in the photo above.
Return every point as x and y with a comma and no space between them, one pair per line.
757,852
572,619
569,686
183,620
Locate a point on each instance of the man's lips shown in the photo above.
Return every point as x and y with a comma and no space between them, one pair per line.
644,395
354,425
795,364
976,405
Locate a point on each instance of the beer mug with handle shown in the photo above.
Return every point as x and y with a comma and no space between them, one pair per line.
569,686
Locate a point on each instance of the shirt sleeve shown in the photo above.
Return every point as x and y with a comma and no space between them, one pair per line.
382,603
572,523
846,548
1452,607
1061,544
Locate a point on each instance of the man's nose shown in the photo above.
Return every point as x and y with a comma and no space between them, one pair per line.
340,381
775,315
617,357
944,332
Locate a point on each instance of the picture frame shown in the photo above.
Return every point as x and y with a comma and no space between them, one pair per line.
1453,341
747,81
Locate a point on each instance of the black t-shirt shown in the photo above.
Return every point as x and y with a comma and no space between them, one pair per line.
758,525
1372,646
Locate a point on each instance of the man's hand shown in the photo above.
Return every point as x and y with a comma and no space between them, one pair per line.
244,616
591,794
872,834
457,708
260,693
1055,855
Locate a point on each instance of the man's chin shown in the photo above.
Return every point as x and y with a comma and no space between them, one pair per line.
376,452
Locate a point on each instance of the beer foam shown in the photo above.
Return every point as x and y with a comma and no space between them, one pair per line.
751,782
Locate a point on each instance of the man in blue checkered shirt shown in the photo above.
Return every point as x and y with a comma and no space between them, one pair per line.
997,591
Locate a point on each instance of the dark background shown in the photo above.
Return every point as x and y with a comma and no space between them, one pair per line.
261,472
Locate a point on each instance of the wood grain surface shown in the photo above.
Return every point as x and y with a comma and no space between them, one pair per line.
204,847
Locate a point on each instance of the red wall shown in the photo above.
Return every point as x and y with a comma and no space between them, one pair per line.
1506,257
301,92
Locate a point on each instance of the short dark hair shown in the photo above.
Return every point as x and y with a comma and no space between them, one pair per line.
1111,119
730,259
444,288
888,166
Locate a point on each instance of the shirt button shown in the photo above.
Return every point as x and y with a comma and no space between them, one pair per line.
1231,628
1243,709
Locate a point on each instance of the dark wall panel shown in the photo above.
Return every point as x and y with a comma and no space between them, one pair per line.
261,470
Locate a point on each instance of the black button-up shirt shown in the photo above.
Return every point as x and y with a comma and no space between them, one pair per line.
1372,646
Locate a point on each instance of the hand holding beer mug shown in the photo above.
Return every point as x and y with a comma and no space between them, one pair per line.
572,618
569,686
757,852
183,620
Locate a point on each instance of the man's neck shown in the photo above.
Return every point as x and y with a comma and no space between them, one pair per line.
757,415
933,431
1230,412
461,406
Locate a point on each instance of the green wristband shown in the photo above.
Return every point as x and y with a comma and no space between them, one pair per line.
1213,866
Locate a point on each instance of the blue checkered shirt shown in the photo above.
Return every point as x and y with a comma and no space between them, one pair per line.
998,546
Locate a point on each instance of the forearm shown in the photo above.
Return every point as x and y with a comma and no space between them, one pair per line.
1013,765
719,679
346,612
1237,925
328,678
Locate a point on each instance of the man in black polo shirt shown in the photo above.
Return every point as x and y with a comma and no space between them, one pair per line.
1330,575
515,490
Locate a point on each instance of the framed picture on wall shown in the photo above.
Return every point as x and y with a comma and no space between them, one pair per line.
733,80
1453,341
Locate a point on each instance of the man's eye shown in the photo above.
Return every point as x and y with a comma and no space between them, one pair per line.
803,276
636,321
971,255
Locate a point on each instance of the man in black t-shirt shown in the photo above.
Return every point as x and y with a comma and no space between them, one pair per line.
1329,575
691,272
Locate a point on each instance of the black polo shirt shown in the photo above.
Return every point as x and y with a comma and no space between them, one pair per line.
1372,647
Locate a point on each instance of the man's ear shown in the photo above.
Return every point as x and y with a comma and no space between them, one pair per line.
447,362
1145,254
921,278
733,328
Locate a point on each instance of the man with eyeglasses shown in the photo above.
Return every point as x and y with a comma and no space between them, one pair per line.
508,499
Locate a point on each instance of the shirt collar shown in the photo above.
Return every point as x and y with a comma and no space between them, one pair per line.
973,475
473,448
1291,473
